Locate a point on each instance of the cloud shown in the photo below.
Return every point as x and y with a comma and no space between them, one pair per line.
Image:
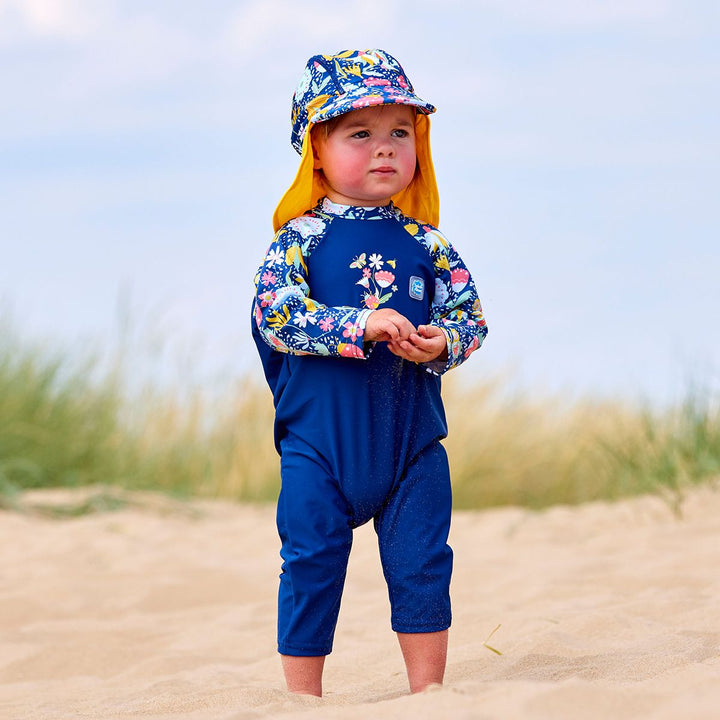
59,19
578,14
275,25
261,25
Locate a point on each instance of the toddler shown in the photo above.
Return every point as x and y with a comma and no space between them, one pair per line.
361,305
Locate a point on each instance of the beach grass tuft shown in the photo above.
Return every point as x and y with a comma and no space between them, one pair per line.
550,451
67,422
70,423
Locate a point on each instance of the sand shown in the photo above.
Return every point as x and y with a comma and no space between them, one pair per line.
166,610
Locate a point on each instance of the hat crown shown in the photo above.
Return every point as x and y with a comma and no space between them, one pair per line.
335,84
362,68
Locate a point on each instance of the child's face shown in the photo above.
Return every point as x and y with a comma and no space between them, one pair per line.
369,154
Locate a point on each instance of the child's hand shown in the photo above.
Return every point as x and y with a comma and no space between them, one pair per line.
387,325
427,344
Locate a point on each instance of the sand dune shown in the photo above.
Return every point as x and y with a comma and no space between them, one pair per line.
166,610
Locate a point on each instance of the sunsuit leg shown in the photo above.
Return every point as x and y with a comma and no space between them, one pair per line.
412,530
314,525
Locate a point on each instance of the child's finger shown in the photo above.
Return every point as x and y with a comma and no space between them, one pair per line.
390,329
388,324
428,331
420,349
422,342
404,326
409,351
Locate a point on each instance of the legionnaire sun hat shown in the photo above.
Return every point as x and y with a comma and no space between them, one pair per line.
333,85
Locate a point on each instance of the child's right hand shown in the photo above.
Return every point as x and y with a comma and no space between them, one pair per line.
387,326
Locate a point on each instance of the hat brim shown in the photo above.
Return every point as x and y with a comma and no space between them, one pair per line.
382,95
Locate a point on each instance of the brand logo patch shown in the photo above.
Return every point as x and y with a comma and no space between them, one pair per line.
417,287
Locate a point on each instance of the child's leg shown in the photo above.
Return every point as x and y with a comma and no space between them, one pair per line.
303,675
417,561
425,655
314,526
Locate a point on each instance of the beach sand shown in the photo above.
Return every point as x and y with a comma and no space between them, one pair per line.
166,610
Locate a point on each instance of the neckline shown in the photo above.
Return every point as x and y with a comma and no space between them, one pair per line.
357,212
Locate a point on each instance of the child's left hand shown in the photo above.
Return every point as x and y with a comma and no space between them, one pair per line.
427,344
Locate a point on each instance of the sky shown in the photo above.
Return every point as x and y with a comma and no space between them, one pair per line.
144,146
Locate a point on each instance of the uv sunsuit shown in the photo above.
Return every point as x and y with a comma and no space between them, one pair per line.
358,428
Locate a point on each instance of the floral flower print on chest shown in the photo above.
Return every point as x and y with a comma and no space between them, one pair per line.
376,278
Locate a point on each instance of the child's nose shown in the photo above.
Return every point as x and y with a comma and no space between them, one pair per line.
384,148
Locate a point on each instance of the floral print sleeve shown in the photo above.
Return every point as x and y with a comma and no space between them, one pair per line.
455,307
288,319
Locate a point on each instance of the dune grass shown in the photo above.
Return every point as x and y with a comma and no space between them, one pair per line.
549,451
68,423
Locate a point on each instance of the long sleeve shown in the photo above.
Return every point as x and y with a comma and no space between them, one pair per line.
288,319
456,308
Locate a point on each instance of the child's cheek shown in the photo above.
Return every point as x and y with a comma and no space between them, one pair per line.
356,165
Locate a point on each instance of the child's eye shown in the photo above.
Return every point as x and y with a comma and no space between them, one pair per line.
400,133
361,134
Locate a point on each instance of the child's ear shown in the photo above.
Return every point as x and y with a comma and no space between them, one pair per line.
317,162
316,140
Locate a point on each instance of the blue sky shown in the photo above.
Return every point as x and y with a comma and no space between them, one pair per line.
143,147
